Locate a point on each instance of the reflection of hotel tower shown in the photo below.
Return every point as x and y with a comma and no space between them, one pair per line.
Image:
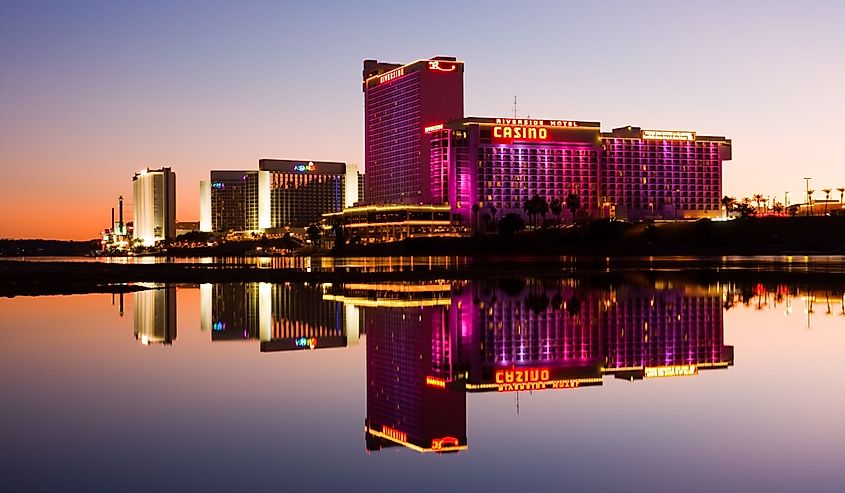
408,362
282,316
155,315
652,332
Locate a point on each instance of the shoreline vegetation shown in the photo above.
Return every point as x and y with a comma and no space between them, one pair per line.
813,235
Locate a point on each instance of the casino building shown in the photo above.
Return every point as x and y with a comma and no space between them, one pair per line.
420,149
629,173
399,101
280,194
301,191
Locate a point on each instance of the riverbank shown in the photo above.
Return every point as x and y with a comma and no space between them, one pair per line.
749,236
19,278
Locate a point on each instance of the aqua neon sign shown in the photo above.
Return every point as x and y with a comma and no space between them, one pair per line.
302,168
303,342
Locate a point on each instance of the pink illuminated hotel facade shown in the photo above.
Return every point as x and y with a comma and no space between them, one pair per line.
420,149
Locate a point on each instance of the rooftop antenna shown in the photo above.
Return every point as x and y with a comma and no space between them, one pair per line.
514,105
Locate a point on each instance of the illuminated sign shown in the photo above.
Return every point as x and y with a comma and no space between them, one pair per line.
441,443
442,66
433,128
399,72
671,371
435,382
525,122
522,133
217,185
218,326
513,379
394,433
528,375
309,342
302,168
668,135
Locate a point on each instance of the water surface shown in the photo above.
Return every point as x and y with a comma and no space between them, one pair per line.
509,385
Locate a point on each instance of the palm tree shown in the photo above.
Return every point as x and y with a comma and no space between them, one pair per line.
826,198
729,203
809,200
493,210
778,208
528,207
313,233
841,191
557,208
573,203
745,208
542,208
475,208
758,197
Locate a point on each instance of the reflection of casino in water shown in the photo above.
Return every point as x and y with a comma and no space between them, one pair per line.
155,315
408,347
284,317
428,343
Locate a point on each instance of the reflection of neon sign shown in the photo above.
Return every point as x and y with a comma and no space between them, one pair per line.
668,135
306,342
442,66
514,380
530,375
394,433
435,382
671,371
302,168
399,72
524,133
441,443
433,128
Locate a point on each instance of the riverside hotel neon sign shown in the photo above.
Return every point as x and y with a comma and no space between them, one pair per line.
514,379
510,129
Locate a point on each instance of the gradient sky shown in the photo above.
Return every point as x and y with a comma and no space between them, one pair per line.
91,92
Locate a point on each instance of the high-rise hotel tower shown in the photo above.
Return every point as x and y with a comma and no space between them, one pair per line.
400,101
154,204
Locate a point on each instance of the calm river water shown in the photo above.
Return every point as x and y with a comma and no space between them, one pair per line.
512,385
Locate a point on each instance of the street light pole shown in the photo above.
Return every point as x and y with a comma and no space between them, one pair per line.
807,182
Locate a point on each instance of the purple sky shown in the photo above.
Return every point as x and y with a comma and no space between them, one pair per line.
90,92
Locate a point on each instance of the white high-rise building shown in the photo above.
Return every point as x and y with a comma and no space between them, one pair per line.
154,203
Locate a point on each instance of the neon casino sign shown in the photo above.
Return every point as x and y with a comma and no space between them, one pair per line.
441,443
303,342
302,168
442,66
435,382
671,371
393,74
668,135
515,379
522,133
433,128
510,129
